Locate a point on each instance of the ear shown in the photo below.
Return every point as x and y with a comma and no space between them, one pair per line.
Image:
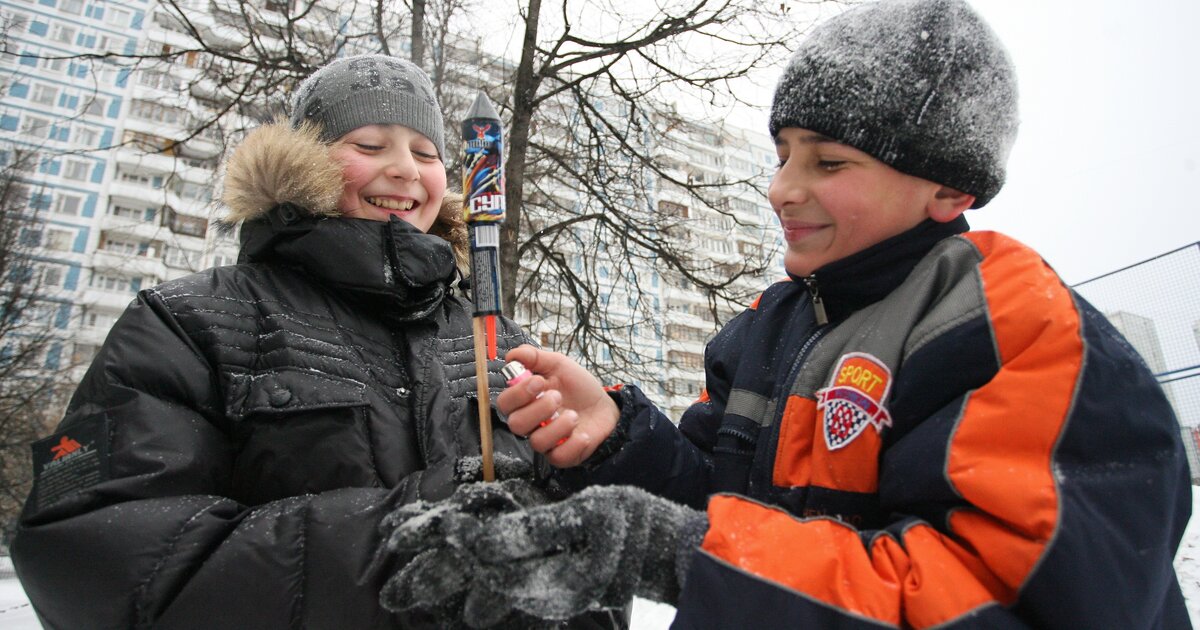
948,203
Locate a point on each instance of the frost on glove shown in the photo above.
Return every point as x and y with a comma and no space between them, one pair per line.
592,551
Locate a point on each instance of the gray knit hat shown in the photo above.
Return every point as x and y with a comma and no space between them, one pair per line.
369,90
924,86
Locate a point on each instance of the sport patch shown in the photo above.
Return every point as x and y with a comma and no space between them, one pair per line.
70,461
854,399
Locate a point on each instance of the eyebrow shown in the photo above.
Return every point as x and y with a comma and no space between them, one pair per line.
809,138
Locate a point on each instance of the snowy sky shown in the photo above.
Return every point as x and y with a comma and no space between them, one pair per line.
1104,167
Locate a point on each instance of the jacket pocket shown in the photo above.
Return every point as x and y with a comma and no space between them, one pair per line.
298,432
285,391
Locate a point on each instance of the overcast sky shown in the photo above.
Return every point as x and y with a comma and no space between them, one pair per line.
1107,162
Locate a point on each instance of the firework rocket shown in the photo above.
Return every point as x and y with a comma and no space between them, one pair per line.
483,207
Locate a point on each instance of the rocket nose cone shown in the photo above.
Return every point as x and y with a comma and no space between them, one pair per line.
482,107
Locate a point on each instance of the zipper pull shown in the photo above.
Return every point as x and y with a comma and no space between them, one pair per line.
818,304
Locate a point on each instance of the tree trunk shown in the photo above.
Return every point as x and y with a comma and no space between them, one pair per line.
524,94
418,32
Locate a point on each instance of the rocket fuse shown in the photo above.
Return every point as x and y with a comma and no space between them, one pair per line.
483,207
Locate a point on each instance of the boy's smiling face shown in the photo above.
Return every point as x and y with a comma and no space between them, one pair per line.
390,170
833,200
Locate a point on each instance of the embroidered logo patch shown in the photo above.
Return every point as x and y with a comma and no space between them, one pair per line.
854,399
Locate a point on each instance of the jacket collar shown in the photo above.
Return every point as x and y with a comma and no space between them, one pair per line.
390,264
863,278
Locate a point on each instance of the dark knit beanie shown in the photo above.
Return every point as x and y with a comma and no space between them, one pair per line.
924,86
351,92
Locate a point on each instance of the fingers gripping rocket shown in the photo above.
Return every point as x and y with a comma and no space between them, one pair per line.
483,207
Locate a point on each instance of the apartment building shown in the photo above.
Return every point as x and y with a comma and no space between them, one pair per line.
120,219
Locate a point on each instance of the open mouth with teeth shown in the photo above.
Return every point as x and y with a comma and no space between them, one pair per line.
391,204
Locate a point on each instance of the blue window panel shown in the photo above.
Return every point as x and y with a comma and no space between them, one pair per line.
156,181
20,274
81,71
48,3
29,59
88,11
98,13
39,201
54,167
150,212
53,356
98,173
123,75
73,102
143,248
71,281
81,240
39,28
8,123
63,318
89,206
89,41
136,22
130,47
19,90
106,138
135,284
114,108
63,134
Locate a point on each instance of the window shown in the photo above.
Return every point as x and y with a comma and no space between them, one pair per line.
57,66
161,80
52,275
65,203
102,321
86,136
180,257
77,170
44,94
74,7
220,260
110,282
84,353
63,34
156,112
117,17
94,105
670,208
120,246
143,179
124,212
189,190
59,240
35,126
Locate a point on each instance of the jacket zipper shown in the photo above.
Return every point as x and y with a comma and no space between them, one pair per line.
817,302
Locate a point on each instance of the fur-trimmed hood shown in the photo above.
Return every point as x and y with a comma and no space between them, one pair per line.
277,164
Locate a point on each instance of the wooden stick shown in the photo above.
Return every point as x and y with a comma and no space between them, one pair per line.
485,403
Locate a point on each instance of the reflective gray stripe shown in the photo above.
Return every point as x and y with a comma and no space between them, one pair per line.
750,405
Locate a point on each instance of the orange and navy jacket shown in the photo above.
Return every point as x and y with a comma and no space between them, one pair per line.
966,443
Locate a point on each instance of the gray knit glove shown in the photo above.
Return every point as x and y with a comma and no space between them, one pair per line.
592,551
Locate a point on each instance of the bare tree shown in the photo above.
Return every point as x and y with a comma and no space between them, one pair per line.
592,141
33,371
593,146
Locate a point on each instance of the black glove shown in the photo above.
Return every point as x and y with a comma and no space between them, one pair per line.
592,551
436,578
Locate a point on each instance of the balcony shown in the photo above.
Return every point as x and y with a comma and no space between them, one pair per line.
132,265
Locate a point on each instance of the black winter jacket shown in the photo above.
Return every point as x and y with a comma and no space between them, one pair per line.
227,458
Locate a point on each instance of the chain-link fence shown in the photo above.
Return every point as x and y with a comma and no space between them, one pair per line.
1156,305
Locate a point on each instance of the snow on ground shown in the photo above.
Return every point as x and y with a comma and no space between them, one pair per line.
16,614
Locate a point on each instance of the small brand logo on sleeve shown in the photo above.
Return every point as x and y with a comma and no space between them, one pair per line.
854,399
65,447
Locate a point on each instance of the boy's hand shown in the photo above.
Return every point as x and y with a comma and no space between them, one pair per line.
561,408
